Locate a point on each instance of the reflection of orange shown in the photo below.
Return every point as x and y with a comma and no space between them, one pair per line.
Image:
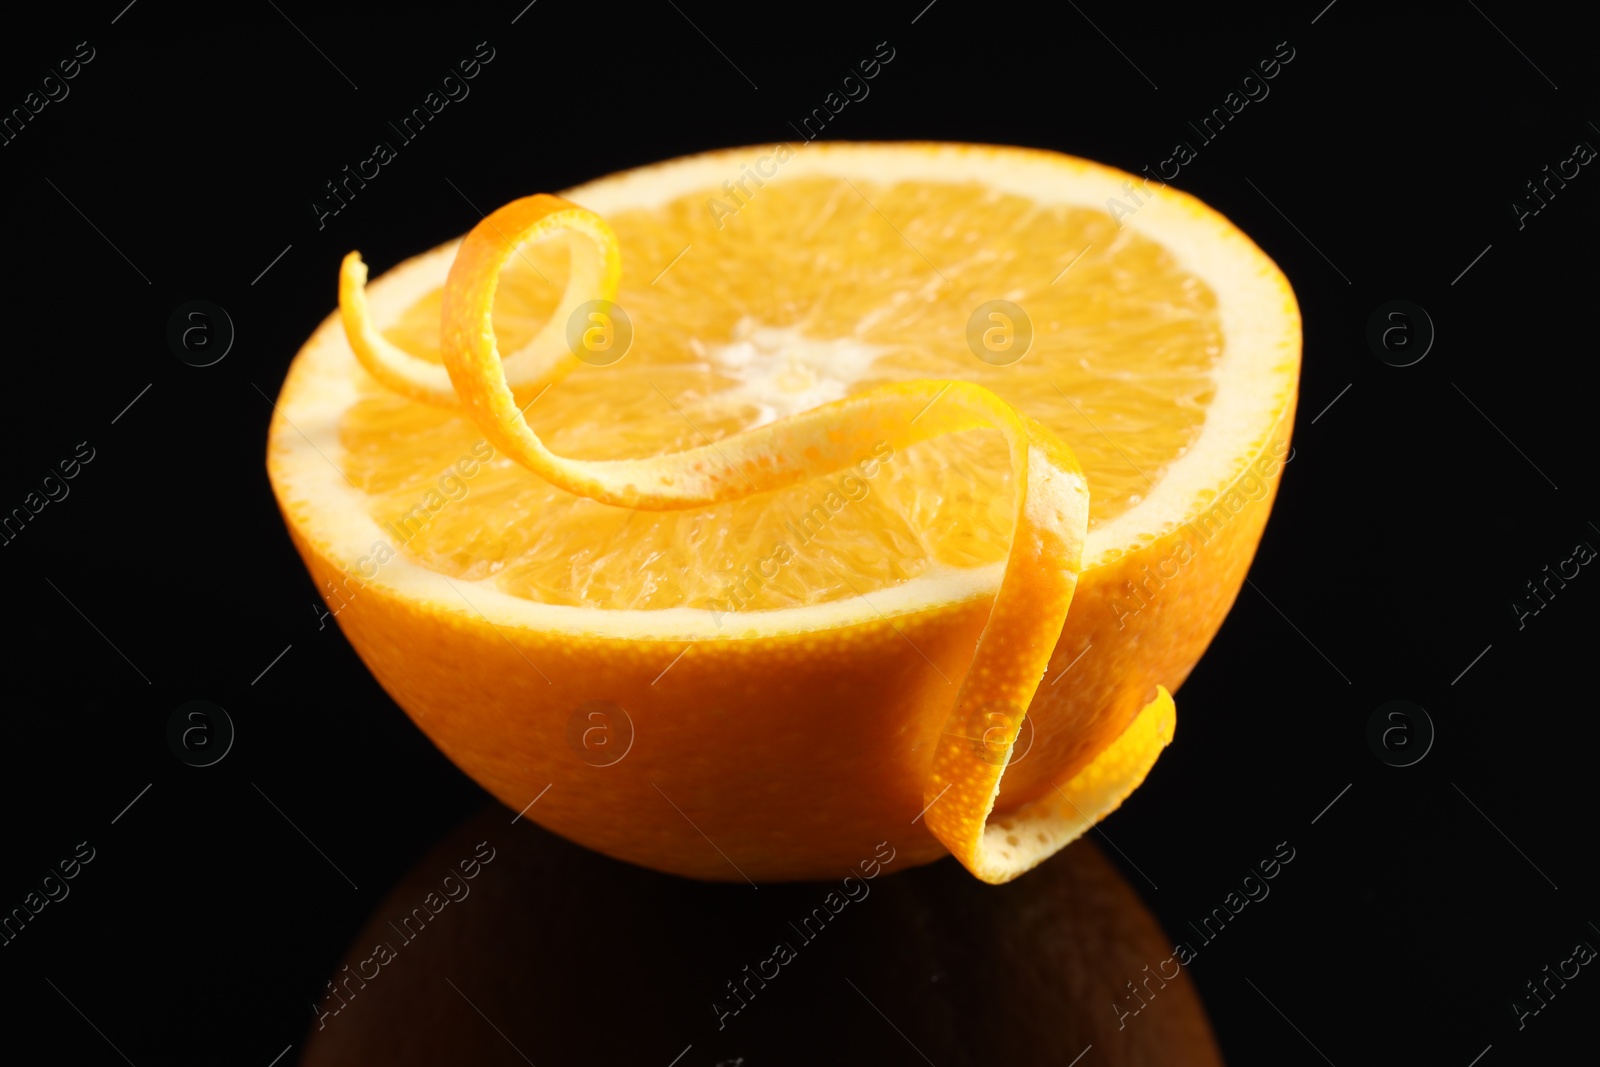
629,972
824,326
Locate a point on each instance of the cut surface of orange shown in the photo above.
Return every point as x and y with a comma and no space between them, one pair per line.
780,654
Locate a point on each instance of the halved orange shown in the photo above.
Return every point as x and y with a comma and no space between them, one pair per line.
813,393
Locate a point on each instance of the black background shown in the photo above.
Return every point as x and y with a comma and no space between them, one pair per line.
184,161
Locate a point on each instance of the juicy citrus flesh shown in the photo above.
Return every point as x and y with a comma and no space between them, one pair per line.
843,700
817,289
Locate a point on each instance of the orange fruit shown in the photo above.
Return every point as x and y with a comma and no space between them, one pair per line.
891,400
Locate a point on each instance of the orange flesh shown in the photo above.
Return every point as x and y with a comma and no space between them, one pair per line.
1119,368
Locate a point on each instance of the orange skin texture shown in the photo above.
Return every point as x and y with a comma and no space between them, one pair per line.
797,748
776,724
